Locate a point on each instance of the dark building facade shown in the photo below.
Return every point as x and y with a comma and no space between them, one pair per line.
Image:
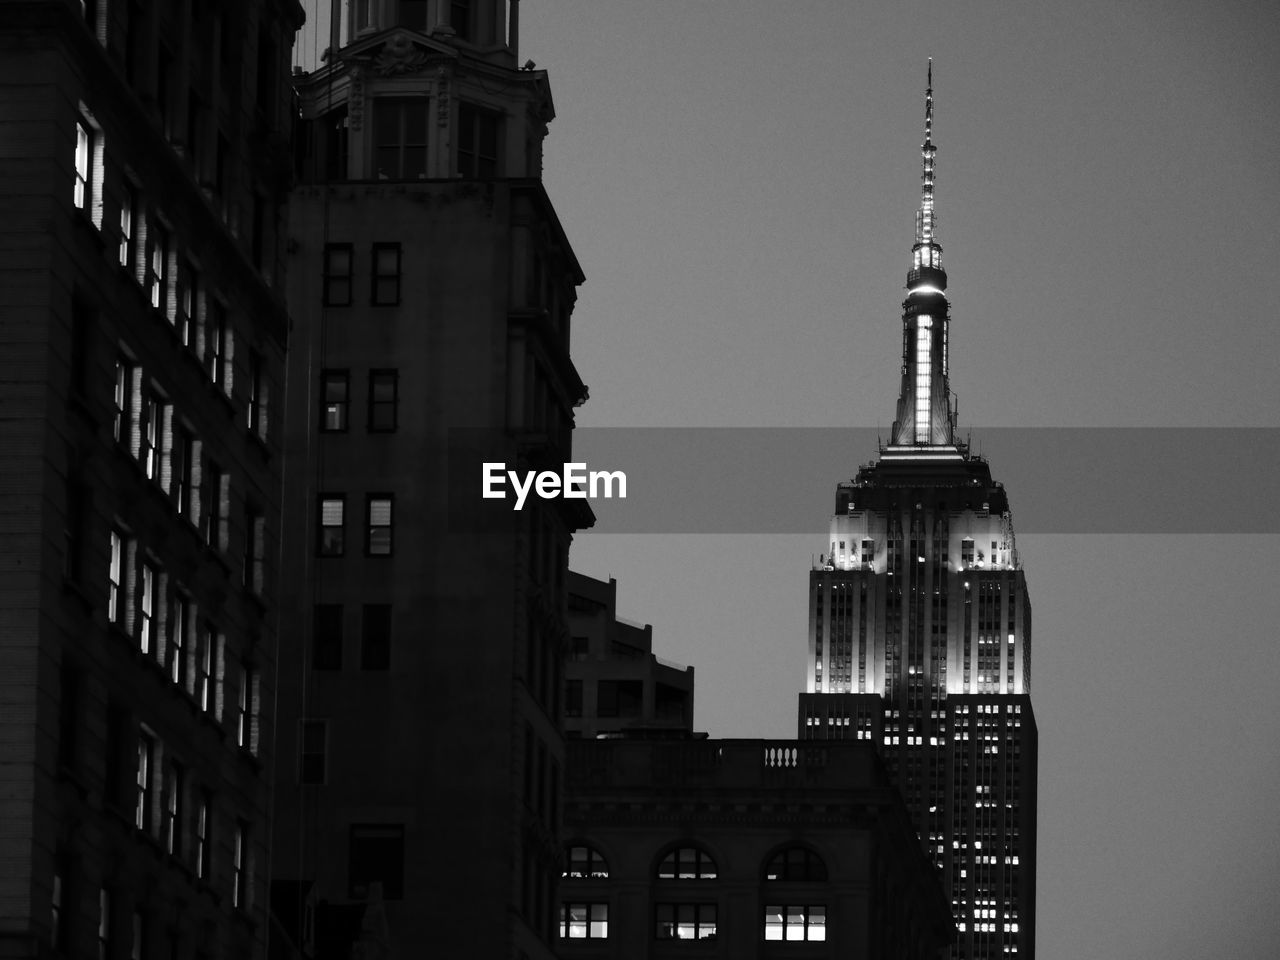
431,288
142,337
748,848
920,632
614,683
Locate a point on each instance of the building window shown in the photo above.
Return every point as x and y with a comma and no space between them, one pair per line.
792,922
155,437
57,926
255,531
259,396
400,139
172,831
573,698
460,19
217,498
584,921
413,14
796,863
147,610
158,269
183,472
247,709
142,805
376,855
332,515
104,923
586,863
204,668
619,698
217,344
240,867
188,301
204,834
327,636
337,274
385,290
477,142
384,399
335,399
378,534
687,863
84,165
313,736
123,421
686,921
128,213
375,647
137,948
115,575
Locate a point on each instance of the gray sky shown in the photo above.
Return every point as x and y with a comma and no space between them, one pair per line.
739,179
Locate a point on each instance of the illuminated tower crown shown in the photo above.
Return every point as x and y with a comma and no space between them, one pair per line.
925,422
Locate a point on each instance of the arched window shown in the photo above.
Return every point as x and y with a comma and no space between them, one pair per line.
796,863
585,863
687,863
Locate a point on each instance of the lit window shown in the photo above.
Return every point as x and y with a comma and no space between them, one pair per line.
793,922
172,831
332,510
259,396
477,142
312,751
184,472
335,398
378,540
337,274
84,161
158,270
384,397
204,668
686,921
796,863
400,139
123,421
188,302
376,855
147,612
142,806
586,863
687,863
240,867
584,921
385,290
115,592
128,208
218,345
247,709
204,834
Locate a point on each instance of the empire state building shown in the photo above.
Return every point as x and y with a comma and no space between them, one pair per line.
920,630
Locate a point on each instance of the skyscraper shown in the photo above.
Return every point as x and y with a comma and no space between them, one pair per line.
431,288
142,338
920,629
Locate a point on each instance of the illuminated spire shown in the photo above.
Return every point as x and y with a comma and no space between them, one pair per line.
925,424
924,219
